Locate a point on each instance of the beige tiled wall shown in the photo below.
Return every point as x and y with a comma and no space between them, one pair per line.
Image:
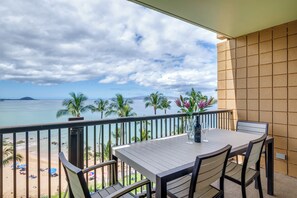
257,78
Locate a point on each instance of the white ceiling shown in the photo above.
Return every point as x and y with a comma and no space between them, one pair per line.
231,18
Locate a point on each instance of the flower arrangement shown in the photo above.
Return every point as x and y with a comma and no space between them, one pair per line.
194,102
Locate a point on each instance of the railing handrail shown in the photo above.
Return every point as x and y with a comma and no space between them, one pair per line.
83,123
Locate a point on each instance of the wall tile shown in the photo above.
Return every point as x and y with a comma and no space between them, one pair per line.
253,105
222,104
280,130
252,38
230,94
292,144
253,49
221,65
222,56
253,116
241,62
280,31
292,92
265,116
253,82
253,60
280,105
266,47
240,52
266,81
241,73
241,104
241,114
293,118
241,83
292,66
266,58
221,75
230,74
230,84
230,104
241,41
292,170
279,93
265,105
280,81
292,157
241,94
280,43
231,64
292,27
280,142
292,105
230,54
253,71
280,117
292,41
279,56
292,53
280,166
292,131
266,70
266,35
265,93
280,68
292,80
221,94
253,94
230,44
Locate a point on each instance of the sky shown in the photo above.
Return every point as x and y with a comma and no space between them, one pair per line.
49,48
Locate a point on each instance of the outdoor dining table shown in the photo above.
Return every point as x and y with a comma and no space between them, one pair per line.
165,159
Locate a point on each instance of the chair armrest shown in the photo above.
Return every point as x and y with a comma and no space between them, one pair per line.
90,168
129,188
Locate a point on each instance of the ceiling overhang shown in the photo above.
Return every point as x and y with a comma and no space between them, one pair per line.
231,18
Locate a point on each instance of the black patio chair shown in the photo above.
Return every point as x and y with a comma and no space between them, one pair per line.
78,186
207,169
244,174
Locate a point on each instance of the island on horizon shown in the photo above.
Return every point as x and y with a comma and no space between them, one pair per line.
23,98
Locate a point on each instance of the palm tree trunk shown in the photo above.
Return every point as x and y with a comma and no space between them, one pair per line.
165,111
155,110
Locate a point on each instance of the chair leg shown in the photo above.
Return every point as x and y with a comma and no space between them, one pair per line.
149,190
243,191
266,160
222,186
260,186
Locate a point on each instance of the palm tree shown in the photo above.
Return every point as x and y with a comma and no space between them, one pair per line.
101,106
154,100
120,106
165,104
74,105
8,154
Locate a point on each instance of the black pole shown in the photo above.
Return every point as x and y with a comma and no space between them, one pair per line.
76,146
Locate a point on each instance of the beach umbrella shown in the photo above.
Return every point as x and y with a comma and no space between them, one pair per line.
22,166
53,171
91,174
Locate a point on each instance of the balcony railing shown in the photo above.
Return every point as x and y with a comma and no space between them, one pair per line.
87,143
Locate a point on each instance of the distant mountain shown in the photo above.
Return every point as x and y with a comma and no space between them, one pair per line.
142,97
24,98
27,98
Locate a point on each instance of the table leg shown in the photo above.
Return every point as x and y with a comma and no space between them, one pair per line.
161,187
270,168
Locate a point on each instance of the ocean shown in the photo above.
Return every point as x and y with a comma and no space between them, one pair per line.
27,112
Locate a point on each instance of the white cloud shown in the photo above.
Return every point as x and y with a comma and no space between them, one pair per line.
112,41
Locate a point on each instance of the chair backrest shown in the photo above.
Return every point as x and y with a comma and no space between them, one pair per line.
208,169
75,178
253,155
252,127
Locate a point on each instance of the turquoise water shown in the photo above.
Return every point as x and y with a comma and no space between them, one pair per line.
21,112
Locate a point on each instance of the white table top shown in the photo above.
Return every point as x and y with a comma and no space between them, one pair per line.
153,157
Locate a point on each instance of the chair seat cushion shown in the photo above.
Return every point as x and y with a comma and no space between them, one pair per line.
233,172
109,190
180,188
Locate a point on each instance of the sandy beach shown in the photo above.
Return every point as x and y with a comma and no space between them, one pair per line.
44,177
